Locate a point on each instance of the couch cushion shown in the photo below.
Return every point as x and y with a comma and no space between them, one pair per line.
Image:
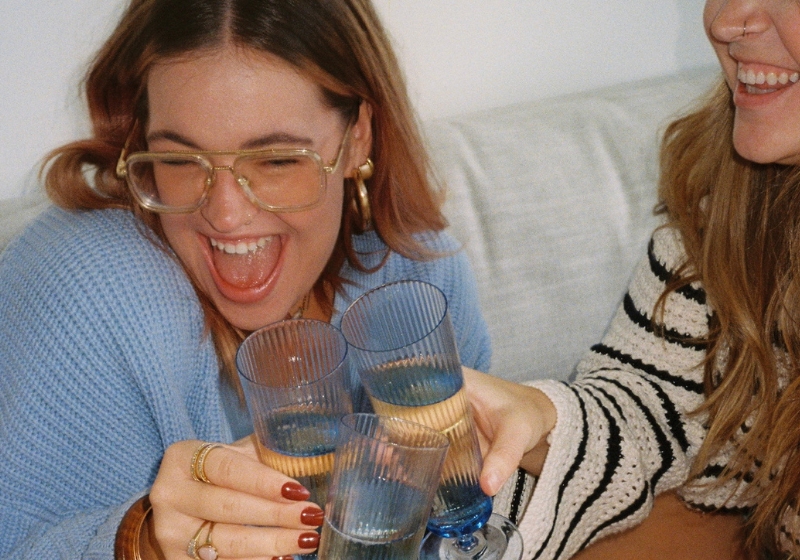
553,201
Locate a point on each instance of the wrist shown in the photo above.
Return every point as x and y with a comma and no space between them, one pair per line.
534,458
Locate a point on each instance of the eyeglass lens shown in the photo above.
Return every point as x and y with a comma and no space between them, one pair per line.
179,182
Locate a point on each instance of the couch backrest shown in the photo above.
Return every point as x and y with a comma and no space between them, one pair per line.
553,201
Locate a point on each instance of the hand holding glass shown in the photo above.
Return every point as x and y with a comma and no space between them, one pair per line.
404,348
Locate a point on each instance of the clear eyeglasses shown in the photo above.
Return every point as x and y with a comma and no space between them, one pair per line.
276,180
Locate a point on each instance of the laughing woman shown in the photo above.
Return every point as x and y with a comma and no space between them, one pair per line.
250,161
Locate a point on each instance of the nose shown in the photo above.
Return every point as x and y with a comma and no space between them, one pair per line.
227,207
732,20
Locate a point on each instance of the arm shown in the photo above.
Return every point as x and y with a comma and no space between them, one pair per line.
623,431
109,383
65,480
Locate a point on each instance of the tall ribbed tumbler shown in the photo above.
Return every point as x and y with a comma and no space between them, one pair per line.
294,376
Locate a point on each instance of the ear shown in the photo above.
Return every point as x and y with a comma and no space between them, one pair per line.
360,139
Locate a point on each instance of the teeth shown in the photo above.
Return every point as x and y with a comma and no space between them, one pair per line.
240,248
751,78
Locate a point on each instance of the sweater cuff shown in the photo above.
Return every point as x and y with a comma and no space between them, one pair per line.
564,440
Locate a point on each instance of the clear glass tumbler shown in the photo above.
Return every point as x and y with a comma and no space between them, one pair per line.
294,376
384,479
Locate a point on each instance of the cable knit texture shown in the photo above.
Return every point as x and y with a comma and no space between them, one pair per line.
105,363
623,432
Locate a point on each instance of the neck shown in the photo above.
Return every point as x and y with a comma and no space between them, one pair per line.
301,309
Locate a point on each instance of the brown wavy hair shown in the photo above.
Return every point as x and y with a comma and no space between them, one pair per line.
740,223
339,44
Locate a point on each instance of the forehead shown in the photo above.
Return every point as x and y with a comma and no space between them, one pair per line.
233,91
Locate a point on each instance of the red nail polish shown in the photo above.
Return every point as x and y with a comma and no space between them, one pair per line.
312,516
308,540
295,491
283,558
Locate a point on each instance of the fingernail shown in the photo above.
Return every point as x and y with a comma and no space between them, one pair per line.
295,491
283,558
308,540
312,516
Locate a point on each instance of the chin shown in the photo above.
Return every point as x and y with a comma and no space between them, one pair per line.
764,147
246,320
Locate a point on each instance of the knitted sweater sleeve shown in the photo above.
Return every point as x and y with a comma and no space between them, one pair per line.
103,364
623,432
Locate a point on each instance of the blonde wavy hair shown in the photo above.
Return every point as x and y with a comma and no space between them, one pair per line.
339,44
740,222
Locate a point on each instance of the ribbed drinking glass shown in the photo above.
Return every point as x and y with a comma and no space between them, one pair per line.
404,348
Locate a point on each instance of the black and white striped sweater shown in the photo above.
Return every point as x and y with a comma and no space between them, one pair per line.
623,433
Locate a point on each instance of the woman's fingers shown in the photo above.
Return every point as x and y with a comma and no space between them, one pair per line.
512,420
232,467
237,541
215,503
256,511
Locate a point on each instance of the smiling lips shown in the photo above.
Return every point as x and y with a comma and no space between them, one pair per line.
760,82
246,264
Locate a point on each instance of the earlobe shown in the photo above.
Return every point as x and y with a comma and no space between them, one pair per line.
361,144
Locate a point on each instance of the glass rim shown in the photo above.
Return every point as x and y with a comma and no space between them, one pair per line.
281,324
437,439
437,324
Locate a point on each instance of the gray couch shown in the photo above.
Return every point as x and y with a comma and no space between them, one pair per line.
553,201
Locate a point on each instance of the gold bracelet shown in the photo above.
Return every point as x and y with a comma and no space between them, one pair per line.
126,543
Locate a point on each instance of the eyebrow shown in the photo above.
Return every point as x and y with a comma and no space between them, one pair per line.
253,144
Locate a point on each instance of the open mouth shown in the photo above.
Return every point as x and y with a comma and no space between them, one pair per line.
245,264
760,82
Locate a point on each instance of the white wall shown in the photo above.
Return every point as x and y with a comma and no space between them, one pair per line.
459,55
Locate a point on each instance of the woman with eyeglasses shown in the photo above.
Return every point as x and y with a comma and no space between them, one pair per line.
249,162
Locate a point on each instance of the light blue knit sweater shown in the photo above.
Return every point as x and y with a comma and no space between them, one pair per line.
103,364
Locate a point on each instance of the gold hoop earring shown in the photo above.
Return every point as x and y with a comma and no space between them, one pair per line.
362,173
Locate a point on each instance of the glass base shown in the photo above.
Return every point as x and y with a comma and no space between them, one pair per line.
499,539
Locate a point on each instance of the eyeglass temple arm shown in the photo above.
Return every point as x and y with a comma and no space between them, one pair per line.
122,169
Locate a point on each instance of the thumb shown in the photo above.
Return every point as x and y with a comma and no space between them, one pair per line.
501,460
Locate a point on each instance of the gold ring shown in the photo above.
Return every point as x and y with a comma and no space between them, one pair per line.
199,461
208,551
191,549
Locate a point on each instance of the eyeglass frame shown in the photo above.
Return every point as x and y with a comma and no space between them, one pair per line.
202,158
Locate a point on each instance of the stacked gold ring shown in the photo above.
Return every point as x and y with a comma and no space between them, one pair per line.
199,460
205,551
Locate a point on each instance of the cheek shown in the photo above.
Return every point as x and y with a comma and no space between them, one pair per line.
321,225
174,228
180,234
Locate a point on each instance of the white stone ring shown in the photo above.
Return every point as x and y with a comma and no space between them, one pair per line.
205,551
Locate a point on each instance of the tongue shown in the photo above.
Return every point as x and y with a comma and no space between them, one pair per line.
249,270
